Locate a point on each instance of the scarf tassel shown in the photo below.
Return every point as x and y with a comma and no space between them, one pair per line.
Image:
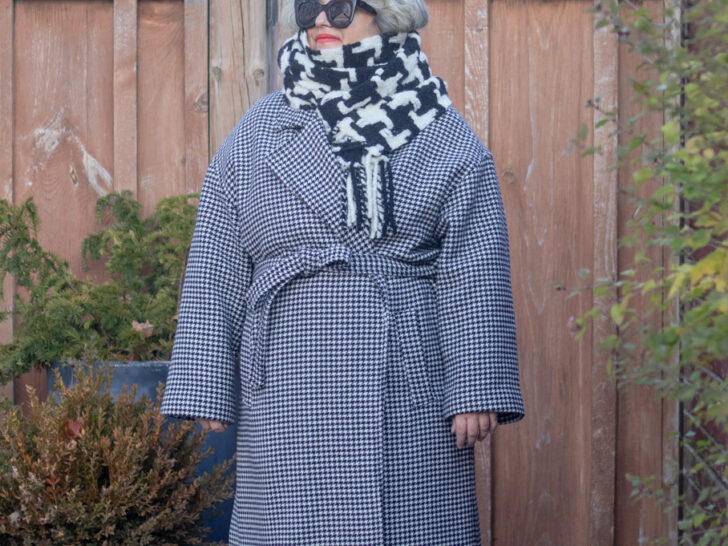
388,195
356,196
361,202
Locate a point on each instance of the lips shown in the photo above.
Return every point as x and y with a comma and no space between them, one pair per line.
326,38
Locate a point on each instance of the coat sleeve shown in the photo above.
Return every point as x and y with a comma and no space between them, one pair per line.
203,378
477,327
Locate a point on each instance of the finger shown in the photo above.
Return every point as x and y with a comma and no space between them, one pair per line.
204,423
458,428
472,429
483,426
493,422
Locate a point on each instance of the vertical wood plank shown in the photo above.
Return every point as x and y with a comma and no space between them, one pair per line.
161,126
475,111
274,79
279,34
238,63
671,408
63,142
475,66
125,95
603,388
443,43
196,101
642,421
6,156
540,72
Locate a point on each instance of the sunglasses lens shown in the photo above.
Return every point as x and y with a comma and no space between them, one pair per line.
306,12
340,13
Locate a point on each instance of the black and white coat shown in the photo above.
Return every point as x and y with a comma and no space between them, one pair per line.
342,359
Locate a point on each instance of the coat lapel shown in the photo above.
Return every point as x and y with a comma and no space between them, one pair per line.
306,163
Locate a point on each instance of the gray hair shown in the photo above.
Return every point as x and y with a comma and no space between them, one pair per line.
392,15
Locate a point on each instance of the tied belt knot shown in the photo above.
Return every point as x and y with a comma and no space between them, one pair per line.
270,275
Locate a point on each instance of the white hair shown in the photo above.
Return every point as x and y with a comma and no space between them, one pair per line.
392,15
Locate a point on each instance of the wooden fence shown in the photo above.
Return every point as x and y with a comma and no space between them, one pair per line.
100,95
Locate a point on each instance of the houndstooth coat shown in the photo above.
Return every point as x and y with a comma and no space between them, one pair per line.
342,359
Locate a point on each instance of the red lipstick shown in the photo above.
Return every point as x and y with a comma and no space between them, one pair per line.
323,37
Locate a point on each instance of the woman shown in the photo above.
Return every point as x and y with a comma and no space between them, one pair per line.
350,266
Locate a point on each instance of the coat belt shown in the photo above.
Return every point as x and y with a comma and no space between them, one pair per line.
270,275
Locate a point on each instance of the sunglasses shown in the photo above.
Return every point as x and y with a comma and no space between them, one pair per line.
339,12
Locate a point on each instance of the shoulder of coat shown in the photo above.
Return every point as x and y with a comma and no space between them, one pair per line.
467,138
262,113
257,121
451,143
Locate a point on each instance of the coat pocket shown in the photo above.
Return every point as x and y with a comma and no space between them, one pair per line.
416,356
248,363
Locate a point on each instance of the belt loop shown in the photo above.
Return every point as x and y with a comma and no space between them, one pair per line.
381,282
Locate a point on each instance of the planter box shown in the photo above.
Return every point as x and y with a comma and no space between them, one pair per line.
147,375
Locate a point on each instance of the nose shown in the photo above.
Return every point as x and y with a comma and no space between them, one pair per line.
321,19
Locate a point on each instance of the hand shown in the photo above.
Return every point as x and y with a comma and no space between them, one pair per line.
473,426
216,426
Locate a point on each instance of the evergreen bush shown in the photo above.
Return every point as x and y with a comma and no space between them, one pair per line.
130,317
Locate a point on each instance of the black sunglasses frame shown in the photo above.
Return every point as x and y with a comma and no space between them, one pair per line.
318,8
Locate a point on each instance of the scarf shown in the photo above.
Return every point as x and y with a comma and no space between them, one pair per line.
374,96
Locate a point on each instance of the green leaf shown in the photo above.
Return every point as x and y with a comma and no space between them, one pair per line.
617,313
671,130
583,131
636,142
642,175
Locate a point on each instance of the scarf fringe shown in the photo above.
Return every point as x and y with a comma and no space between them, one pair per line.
371,195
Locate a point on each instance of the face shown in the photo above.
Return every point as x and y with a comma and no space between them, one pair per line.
323,35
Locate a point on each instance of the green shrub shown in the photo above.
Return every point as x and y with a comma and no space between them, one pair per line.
671,318
130,317
88,469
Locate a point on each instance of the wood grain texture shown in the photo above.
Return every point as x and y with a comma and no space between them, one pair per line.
645,422
476,112
63,138
6,158
274,78
196,93
540,73
125,95
162,139
279,34
63,151
444,46
238,63
605,233
475,66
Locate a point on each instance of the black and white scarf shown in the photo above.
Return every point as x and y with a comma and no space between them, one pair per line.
374,96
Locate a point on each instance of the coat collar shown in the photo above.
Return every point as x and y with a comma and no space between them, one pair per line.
306,163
